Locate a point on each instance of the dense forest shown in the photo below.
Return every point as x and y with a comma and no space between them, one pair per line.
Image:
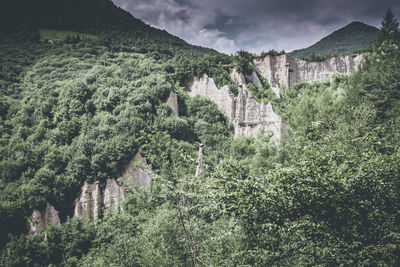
80,107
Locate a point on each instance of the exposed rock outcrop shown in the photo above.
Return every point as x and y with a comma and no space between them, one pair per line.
252,117
199,169
247,116
205,86
41,220
136,174
287,70
172,102
113,193
89,204
93,198
253,78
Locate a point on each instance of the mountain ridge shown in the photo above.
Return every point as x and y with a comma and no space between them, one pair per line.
352,37
97,17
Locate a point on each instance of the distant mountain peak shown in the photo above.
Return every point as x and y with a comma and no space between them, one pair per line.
354,36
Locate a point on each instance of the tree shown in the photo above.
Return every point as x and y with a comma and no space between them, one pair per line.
390,27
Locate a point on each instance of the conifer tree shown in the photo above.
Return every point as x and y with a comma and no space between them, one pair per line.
390,27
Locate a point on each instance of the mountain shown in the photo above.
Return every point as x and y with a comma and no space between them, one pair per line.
355,36
97,17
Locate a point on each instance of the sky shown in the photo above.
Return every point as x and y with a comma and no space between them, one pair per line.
256,25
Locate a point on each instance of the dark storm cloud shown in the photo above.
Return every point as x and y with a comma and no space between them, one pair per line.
256,25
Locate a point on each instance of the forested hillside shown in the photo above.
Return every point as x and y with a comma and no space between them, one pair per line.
80,107
352,38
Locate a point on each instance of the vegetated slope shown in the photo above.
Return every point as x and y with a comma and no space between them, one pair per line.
79,110
98,17
63,103
355,36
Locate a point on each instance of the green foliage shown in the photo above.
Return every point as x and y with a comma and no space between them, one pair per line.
271,52
334,205
58,247
217,67
378,81
243,61
390,28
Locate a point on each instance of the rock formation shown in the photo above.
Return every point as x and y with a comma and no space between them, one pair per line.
135,173
199,169
113,193
253,78
41,220
248,117
93,198
89,204
284,70
205,86
172,102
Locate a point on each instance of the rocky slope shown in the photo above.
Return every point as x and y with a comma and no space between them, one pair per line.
247,116
250,117
40,220
93,198
285,70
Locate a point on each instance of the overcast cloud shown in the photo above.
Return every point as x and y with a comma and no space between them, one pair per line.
256,25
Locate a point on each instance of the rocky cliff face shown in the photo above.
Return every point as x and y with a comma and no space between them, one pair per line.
247,116
93,198
135,174
40,220
205,86
113,193
286,70
252,117
89,204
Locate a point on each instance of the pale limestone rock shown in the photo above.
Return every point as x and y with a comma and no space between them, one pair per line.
41,220
113,193
89,204
251,117
199,169
92,199
205,86
172,102
277,91
261,118
274,69
253,78
284,70
311,71
238,78
248,117
136,174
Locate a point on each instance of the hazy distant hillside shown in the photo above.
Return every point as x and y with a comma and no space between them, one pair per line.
354,36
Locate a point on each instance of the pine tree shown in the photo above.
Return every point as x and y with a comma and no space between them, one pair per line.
390,27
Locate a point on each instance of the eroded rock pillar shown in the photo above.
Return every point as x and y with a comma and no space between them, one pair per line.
199,169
